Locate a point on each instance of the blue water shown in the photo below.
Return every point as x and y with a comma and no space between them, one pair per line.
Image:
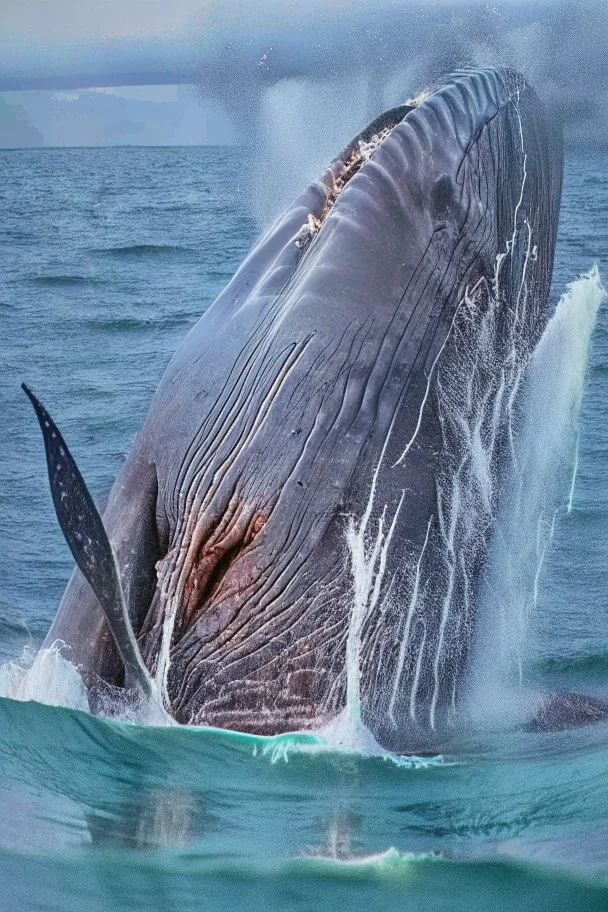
107,257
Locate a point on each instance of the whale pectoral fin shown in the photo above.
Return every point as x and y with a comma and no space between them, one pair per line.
86,536
569,710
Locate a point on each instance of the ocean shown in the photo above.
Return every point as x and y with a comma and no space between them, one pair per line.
107,257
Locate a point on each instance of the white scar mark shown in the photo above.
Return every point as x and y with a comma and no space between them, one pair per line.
511,243
417,673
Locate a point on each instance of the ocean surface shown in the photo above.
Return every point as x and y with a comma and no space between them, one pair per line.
107,257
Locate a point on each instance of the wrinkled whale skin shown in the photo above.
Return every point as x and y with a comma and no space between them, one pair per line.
285,414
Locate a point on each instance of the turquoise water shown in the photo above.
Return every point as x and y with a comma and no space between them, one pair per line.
106,258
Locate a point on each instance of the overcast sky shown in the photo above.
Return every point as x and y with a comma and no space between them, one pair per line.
57,41
52,41
40,22
128,115
97,72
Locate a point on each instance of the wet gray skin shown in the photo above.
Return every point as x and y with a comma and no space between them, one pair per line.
322,398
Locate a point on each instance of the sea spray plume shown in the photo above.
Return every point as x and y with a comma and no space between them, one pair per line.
317,475
374,49
297,107
537,493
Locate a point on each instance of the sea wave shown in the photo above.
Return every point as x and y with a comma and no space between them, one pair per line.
65,280
101,322
590,662
112,881
136,250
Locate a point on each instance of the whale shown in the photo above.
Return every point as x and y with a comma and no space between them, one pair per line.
301,525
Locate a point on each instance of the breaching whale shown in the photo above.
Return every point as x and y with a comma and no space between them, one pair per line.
306,511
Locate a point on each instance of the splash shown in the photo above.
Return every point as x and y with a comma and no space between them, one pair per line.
538,493
49,677
46,677
348,735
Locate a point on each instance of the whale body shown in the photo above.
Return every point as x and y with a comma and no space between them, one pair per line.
305,514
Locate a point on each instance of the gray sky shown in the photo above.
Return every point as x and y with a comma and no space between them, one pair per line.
42,22
83,42
91,72
127,115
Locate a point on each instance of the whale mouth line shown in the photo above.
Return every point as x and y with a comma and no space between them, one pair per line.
354,162
348,164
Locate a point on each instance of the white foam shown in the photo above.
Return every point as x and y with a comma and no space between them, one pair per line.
349,734
46,677
49,677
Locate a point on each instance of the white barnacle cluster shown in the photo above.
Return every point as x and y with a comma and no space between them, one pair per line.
419,99
358,157
307,231
367,149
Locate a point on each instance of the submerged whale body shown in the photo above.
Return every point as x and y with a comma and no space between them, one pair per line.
304,516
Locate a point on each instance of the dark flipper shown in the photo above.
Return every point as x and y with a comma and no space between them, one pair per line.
569,710
86,536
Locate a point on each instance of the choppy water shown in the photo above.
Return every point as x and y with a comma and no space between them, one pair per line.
106,258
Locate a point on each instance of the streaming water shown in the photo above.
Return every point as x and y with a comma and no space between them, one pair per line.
476,393
538,492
